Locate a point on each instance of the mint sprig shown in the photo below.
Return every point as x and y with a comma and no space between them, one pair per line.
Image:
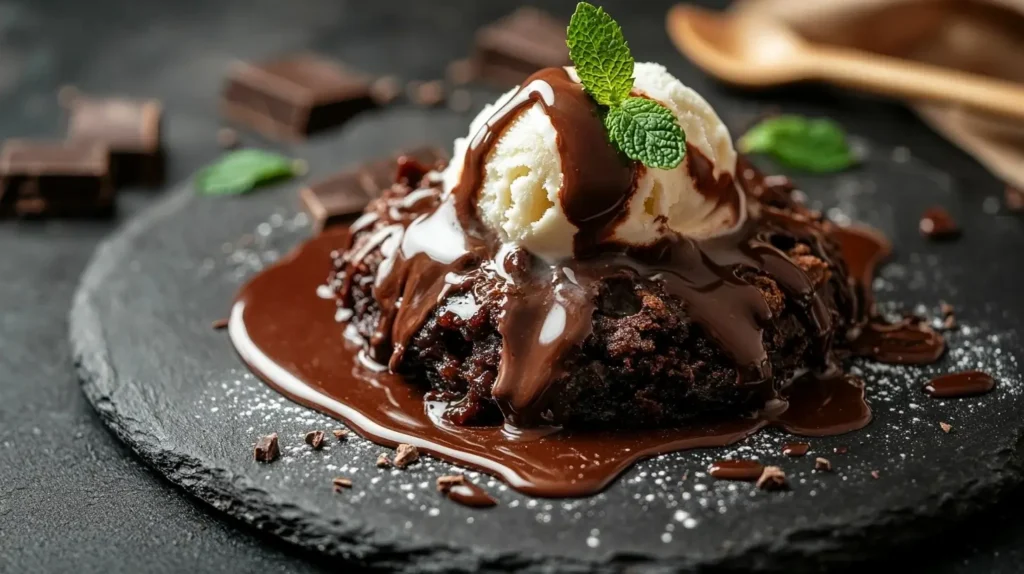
816,145
642,129
243,170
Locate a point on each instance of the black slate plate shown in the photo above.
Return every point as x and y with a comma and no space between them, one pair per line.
172,388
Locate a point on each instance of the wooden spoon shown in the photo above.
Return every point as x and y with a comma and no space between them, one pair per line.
759,52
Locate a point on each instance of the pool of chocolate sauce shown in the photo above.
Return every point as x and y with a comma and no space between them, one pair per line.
289,337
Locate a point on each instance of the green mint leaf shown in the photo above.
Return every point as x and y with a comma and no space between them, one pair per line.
646,131
243,170
599,51
815,145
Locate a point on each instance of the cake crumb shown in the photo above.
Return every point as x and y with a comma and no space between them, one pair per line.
315,439
445,483
946,427
382,461
341,482
822,464
266,449
772,478
405,455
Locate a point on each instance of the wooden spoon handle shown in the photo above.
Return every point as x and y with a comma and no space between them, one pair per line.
912,80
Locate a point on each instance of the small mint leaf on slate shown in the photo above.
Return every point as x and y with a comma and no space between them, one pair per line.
243,170
601,55
646,131
815,145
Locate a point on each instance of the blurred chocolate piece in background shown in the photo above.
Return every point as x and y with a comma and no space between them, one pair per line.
129,128
55,179
518,45
295,96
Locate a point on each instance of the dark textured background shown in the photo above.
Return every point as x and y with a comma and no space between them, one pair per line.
72,498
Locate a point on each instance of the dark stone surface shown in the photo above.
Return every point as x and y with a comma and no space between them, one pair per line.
71,497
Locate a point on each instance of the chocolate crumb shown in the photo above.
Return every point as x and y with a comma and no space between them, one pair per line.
219,324
405,455
227,138
340,483
841,450
822,464
445,483
772,478
385,90
266,449
874,474
461,72
426,94
937,223
946,427
315,439
382,461
1014,199
948,316
460,101
340,434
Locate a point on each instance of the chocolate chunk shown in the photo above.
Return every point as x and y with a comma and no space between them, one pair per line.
340,197
445,483
795,448
219,324
131,131
946,427
340,483
518,45
385,90
315,439
227,138
1014,199
266,449
340,434
294,96
822,464
427,94
937,223
772,478
405,455
382,461
60,179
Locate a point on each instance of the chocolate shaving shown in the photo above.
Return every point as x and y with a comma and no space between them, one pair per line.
219,324
315,439
445,483
340,483
405,455
266,449
822,464
340,434
382,461
946,427
772,478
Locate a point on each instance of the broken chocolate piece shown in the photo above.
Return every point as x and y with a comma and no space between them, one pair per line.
266,449
294,96
937,223
219,324
795,448
63,179
1014,199
315,439
405,455
946,427
341,482
382,461
512,48
340,434
131,131
444,483
341,197
772,478
822,464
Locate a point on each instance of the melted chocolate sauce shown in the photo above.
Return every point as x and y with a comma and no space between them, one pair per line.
795,448
736,470
964,384
471,495
906,342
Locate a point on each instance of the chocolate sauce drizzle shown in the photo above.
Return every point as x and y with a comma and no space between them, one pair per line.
433,245
736,470
965,384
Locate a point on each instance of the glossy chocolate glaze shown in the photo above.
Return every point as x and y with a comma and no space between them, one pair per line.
471,495
795,448
736,470
966,384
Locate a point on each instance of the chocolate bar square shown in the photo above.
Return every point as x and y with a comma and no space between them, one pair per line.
513,48
341,197
131,131
64,179
294,96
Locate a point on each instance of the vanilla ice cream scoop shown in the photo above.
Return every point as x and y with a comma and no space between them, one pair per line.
523,176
